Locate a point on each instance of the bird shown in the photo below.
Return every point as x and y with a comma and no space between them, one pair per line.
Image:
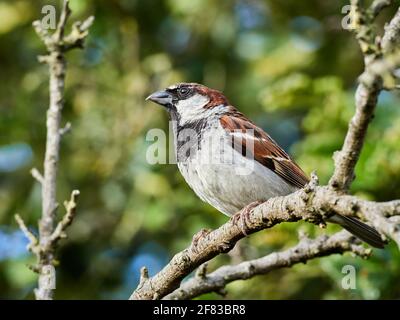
229,161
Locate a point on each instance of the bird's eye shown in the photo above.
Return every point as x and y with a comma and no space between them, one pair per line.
183,92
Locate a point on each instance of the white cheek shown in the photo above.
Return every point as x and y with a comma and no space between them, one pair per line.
192,108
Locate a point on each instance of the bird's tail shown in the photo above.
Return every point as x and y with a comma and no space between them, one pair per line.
359,229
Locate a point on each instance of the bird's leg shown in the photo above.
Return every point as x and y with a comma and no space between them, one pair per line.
196,238
240,219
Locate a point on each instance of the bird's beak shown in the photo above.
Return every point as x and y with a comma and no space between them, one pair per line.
162,97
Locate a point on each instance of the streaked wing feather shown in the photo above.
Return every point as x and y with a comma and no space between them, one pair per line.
266,151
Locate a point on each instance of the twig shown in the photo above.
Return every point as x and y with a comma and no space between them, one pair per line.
37,175
65,13
66,129
144,275
70,207
49,234
392,32
78,34
377,6
33,241
305,250
202,271
367,92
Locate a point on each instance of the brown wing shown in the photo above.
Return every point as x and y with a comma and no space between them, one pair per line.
266,151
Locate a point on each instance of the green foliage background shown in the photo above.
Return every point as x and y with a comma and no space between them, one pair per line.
288,65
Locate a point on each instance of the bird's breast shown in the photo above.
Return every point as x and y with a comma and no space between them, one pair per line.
225,178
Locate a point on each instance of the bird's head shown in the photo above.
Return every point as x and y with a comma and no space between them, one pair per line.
190,101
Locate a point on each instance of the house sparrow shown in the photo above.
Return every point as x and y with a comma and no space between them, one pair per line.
258,168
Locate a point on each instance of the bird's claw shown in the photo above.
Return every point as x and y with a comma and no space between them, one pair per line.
196,238
242,217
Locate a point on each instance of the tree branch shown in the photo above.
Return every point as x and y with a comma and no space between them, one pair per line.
377,6
49,235
376,65
305,250
70,207
366,99
313,203
391,36
37,175
33,241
